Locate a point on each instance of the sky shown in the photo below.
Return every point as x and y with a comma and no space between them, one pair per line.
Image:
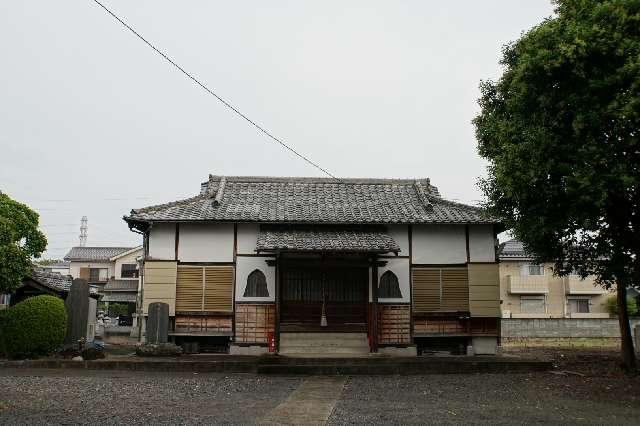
94,123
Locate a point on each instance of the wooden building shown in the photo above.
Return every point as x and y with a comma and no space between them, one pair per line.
381,265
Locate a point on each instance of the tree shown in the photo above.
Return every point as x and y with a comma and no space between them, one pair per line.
560,130
20,240
612,305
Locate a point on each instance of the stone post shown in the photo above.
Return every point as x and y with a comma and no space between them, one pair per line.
158,323
77,307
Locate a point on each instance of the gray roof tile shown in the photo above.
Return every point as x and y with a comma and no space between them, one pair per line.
314,200
326,238
513,249
94,253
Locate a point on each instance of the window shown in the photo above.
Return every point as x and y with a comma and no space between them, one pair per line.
256,285
4,299
389,287
98,274
532,270
129,270
579,306
532,304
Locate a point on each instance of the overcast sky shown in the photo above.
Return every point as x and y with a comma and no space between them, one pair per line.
93,122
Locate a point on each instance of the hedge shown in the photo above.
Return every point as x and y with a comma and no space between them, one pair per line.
33,327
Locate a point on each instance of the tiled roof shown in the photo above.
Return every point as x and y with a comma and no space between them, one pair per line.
325,238
121,285
52,280
314,200
94,254
513,249
56,281
119,297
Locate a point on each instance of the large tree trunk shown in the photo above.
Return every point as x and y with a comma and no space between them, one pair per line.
628,353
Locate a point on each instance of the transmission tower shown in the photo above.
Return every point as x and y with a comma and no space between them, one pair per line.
83,231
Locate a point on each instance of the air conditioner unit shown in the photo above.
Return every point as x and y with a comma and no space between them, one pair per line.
506,314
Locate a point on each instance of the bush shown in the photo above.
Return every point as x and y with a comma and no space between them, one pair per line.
33,327
612,305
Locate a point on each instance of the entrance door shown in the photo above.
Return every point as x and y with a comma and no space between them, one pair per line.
343,290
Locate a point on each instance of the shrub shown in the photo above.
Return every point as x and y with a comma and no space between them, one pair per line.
33,327
612,305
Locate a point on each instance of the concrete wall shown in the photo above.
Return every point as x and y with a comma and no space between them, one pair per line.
562,327
246,265
400,267
162,241
439,244
205,243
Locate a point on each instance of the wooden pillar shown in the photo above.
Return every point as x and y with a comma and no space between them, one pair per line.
277,298
374,305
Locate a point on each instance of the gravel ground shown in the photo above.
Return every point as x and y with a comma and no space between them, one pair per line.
95,397
110,397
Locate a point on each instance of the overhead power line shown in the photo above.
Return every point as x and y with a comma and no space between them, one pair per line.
211,92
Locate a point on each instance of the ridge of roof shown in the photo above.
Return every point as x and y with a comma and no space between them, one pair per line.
272,200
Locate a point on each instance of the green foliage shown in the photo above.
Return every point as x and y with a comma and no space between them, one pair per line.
560,130
20,240
116,309
33,327
612,305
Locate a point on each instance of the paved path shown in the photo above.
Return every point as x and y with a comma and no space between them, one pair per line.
310,404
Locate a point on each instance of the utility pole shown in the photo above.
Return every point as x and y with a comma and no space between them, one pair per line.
83,231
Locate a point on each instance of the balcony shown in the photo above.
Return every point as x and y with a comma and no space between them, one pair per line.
527,285
574,285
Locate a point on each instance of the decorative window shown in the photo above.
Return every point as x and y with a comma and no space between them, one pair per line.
256,285
98,274
129,270
532,270
389,287
532,304
579,306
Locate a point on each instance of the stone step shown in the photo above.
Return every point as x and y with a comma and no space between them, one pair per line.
350,350
323,338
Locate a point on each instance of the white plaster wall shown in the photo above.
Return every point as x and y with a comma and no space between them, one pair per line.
481,243
247,238
400,267
162,241
246,265
400,233
74,267
205,242
439,244
131,259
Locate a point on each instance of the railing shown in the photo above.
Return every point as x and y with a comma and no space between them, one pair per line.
527,285
574,285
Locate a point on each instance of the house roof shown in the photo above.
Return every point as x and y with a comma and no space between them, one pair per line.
313,200
513,250
52,280
119,297
325,238
126,253
121,285
56,281
95,254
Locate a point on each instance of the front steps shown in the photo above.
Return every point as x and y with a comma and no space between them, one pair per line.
324,344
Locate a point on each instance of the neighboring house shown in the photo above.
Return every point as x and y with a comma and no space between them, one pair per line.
99,265
386,260
59,268
529,290
54,284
